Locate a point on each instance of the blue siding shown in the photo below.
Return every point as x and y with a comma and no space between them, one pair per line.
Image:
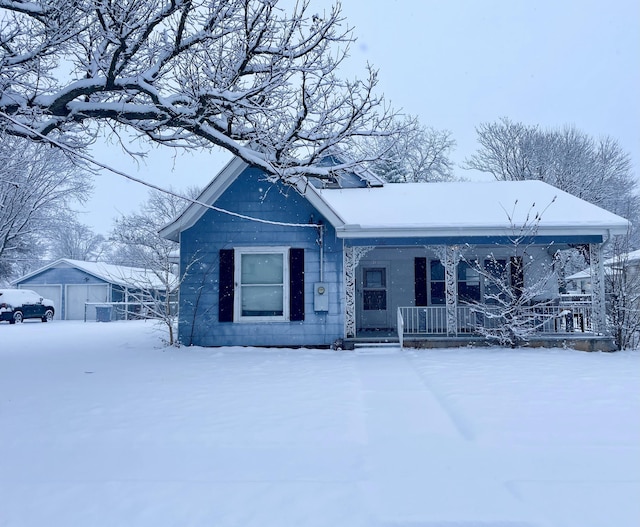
200,245
62,275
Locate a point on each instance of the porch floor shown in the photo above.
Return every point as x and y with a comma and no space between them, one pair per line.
581,342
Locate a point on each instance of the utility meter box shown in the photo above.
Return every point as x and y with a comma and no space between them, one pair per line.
320,296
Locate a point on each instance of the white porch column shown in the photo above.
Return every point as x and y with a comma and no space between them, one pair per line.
352,257
449,258
597,288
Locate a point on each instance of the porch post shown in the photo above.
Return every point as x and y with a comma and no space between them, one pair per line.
451,290
352,257
597,288
449,258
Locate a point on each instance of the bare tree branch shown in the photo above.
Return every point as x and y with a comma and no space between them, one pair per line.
242,75
596,170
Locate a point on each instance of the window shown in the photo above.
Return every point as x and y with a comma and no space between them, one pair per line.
436,274
468,282
495,280
374,289
516,265
262,285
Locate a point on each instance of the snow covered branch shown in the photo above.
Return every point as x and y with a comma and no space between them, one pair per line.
243,75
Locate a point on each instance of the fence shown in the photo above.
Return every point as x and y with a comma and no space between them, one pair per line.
111,311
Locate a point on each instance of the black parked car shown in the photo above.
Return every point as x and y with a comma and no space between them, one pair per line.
18,304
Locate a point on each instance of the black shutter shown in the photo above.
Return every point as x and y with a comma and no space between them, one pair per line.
421,281
226,286
296,284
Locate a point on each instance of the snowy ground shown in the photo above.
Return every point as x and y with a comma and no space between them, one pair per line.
102,426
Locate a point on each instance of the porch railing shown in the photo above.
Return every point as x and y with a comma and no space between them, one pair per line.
569,317
400,323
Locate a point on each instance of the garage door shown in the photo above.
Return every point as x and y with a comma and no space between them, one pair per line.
77,295
52,292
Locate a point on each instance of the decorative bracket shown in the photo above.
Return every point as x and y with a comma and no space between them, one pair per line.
352,257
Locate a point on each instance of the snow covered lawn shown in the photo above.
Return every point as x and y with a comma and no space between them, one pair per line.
102,426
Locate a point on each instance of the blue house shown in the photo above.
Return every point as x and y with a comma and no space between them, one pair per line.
314,262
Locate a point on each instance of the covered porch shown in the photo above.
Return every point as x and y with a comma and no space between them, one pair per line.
454,261
443,295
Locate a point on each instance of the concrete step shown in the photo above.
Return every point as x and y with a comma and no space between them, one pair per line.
375,344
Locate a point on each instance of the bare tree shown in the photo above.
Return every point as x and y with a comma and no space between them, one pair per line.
68,238
37,183
622,284
139,245
420,154
518,302
243,75
598,171
506,150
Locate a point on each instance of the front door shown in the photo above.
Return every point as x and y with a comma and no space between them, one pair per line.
373,298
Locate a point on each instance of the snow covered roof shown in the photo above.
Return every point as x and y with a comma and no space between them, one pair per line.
404,210
341,178
580,275
115,274
469,208
632,258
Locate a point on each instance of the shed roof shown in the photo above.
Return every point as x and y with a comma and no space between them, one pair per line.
114,274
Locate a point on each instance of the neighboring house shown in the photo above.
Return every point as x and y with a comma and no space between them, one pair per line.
627,262
580,282
316,262
77,286
622,292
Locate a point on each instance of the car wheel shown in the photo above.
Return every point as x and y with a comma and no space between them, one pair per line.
48,316
17,316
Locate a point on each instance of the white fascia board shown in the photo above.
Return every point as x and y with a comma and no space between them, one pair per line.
354,231
209,195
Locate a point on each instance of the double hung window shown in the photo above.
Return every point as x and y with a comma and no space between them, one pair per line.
437,281
262,284
374,289
468,282
495,281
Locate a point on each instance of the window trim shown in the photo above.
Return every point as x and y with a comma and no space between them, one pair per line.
237,301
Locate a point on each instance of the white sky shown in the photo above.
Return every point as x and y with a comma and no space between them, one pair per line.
456,64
